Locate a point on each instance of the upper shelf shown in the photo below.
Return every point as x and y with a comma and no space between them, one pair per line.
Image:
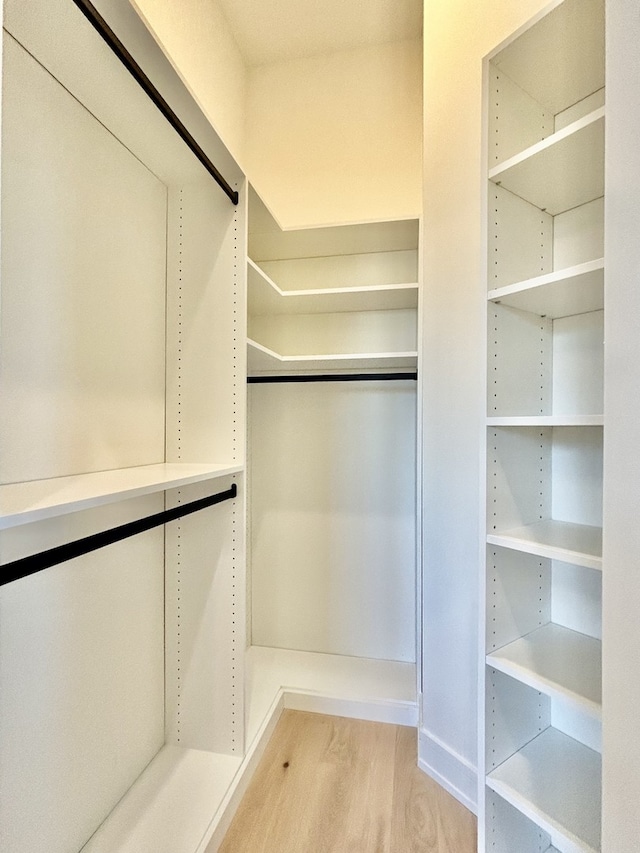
563,171
263,360
564,293
265,297
22,503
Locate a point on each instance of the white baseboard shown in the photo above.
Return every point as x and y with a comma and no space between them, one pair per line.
398,713
448,768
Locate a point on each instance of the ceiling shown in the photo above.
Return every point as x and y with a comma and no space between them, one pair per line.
276,30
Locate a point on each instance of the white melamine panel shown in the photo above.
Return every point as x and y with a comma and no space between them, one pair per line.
515,714
576,600
81,677
541,367
206,311
263,360
568,291
344,332
556,661
171,806
548,420
518,595
83,281
265,297
508,830
560,60
519,239
22,503
370,269
577,544
564,171
578,110
536,781
205,618
578,235
506,136
540,474
332,517
578,364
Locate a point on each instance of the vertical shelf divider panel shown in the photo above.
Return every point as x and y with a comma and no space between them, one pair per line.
541,661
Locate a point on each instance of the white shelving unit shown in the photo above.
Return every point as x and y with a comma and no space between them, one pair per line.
334,298
541,666
122,379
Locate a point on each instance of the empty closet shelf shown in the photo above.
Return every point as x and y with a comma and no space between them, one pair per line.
579,544
555,781
263,360
21,503
557,661
563,171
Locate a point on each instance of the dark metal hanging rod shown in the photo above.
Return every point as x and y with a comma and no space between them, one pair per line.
331,377
26,566
104,30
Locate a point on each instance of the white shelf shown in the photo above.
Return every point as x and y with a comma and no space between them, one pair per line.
546,420
556,661
22,503
579,544
564,293
171,806
265,297
563,171
380,690
263,360
555,781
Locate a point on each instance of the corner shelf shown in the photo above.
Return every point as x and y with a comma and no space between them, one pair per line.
263,360
563,171
535,781
578,544
265,297
22,503
558,662
575,290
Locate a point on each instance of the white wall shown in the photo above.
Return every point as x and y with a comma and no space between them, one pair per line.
197,39
458,34
337,138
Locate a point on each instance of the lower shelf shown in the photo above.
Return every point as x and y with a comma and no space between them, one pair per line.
555,781
260,359
171,806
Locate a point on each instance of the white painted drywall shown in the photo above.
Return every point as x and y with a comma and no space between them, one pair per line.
458,34
337,138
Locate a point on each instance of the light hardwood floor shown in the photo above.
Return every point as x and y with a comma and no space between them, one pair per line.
335,785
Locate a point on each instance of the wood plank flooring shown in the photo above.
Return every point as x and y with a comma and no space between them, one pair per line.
336,785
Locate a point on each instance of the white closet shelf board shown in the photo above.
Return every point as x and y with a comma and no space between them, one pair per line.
556,661
563,171
578,544
547,420
172,805
265,297
380,690
263,360
564,293
21,503
534,781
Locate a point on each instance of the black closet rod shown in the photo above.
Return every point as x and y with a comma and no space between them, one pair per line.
26,566
104,30
331,377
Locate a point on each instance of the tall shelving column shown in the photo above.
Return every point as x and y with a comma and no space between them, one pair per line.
541,660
